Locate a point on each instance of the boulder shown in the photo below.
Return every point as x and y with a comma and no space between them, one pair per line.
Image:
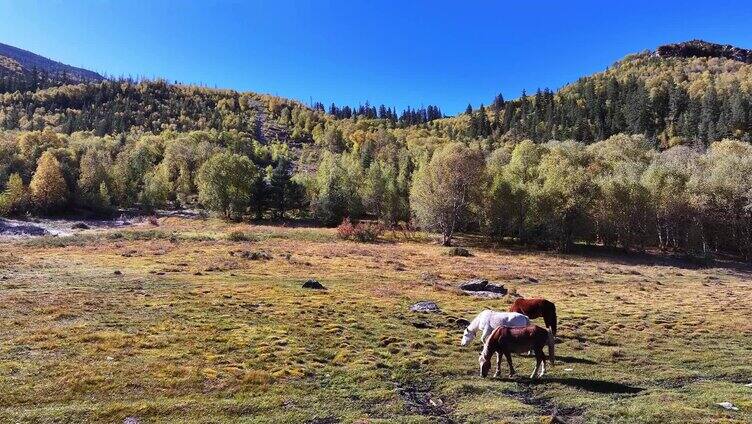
481,287
476,284
313,284
79,226
425,306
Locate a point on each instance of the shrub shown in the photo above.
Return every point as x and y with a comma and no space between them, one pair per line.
345,230
458,251
239,236
365,232
368,231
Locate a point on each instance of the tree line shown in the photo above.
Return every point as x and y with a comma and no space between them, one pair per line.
618,192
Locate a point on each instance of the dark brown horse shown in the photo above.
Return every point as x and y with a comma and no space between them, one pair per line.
505,340
536,308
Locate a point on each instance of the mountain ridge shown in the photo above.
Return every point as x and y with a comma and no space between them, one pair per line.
17,60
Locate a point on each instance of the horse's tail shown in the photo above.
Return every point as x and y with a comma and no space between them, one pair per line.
549,317
551,346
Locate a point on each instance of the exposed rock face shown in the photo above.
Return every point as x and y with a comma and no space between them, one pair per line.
700,48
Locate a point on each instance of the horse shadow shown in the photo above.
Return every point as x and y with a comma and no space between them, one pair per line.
591,385
574,360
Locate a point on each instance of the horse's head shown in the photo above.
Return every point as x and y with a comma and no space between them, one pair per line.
467,337
484,360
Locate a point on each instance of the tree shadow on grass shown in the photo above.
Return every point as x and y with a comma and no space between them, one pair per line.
591,385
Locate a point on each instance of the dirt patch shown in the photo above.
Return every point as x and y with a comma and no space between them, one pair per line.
421,401
546,407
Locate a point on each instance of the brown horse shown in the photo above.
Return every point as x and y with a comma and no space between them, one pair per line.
505,340
536,308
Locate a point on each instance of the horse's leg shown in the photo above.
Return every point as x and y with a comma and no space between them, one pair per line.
535,370
509,361
542,362
498,364
486,332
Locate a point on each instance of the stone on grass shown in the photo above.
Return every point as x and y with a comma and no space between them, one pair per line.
481,287
425,306
727,405
79,226
313,284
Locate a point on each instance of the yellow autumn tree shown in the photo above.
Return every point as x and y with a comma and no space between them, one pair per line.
49,191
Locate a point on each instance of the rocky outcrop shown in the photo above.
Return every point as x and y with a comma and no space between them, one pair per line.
700,48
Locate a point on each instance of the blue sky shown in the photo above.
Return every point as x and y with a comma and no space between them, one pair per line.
397,53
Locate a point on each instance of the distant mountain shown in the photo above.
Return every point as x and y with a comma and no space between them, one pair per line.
15,61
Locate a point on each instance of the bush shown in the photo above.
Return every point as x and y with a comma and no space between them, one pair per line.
363,231
345,230
239,236
458,251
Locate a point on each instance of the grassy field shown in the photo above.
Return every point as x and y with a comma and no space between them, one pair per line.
177,323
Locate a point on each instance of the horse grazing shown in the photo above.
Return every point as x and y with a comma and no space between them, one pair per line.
488,320
536,308
505,340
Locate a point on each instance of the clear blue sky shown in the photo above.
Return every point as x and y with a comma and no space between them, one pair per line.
397,53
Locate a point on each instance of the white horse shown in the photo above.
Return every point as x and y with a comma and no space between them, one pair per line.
488,320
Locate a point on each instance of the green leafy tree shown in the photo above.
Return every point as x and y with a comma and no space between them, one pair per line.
94,170
446,189
225,184
14,200
156,190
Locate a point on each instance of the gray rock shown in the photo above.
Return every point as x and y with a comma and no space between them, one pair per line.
425,306
728,405
476,284
481,287
313,284
80,226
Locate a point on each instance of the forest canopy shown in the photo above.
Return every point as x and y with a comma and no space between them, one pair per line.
653,152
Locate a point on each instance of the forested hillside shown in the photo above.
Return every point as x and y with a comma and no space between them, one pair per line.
652,152
687,93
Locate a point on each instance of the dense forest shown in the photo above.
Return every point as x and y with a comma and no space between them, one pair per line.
653,152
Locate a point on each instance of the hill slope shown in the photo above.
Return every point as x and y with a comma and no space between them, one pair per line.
687,93
692,92
15,60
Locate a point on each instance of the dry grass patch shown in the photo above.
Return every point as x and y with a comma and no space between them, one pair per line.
189,331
